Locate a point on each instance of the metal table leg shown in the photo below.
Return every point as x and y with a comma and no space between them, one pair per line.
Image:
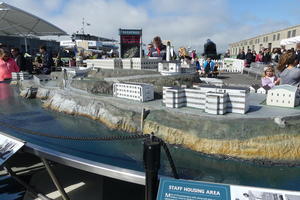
55,180
25,185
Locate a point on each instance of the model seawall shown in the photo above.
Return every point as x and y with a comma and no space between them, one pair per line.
247,139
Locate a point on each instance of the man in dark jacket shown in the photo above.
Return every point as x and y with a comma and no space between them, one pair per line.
241,55
266,56
249,58
210,49
159,50
47,61
19,58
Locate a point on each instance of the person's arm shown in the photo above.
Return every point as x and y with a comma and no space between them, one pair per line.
16,68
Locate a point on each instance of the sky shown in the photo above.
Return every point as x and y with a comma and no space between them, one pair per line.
186,23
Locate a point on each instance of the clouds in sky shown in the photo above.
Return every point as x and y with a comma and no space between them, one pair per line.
185,23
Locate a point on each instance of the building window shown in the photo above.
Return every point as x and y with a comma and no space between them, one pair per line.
274,37
278,36
294,33
289,34
267,39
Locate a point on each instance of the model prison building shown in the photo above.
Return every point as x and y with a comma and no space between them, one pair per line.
212,99
135,91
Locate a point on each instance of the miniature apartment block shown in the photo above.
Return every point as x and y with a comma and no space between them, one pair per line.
134,91
145,63
169,68
216,103
172,68
115,63
38,79
20,76
283,96
212,99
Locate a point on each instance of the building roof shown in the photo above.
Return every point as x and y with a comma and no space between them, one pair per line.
261,35
286,87
223,87
16,22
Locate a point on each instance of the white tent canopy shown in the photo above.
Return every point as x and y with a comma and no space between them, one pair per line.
16,22
293,40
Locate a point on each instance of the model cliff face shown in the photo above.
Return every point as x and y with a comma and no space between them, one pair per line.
263,139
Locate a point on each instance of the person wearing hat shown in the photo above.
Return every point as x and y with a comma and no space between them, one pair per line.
269,78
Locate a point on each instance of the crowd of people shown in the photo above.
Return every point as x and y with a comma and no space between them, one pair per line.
11,60
288,71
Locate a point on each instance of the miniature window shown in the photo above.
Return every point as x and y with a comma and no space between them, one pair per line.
284,95
277,101
289,102
271,100
272,93
277,94
290,95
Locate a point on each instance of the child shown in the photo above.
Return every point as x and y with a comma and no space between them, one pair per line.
269,78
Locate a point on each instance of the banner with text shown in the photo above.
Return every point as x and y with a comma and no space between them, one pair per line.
172,189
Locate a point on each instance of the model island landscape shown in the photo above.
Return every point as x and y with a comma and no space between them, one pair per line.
240,106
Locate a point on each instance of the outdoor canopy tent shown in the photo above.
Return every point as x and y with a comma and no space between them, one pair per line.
293,40
16,22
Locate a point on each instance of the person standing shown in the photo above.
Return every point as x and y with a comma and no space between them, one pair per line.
266,56
47,61
7,65
19,58
249,58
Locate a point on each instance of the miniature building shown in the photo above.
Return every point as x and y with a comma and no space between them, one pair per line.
216,103
127,63
38,79
145,63
173,68
134,91
212,99
254,88
20,76
115,63
284,96
169,68
263,90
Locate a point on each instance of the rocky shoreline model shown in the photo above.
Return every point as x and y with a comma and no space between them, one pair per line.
265,135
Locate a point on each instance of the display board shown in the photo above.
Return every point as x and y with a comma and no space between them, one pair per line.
8,147
130,43
173,189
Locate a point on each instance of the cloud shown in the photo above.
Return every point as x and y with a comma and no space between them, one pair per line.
184,23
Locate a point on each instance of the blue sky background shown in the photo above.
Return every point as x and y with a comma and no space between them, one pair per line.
184,22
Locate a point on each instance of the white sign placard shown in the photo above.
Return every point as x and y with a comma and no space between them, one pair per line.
8,147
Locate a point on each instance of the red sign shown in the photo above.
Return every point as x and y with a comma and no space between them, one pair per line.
130,39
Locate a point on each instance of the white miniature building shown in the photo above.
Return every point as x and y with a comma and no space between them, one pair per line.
212,99
283,96
135,91
115,63
20,76
254,88
145,63
127,63
169,68
38,79
216,103
263,90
